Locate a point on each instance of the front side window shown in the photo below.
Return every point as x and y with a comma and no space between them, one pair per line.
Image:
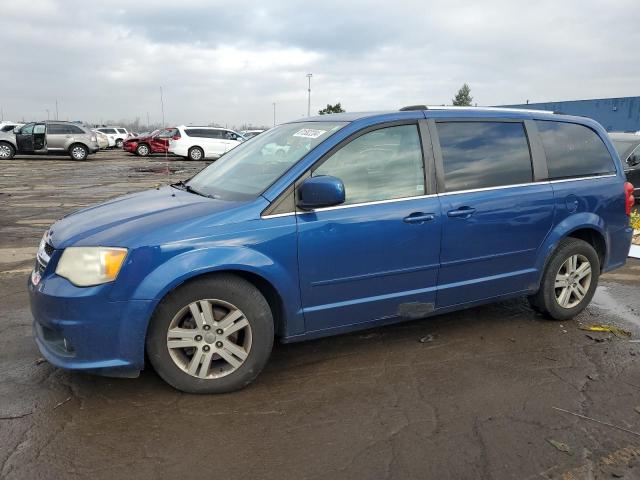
484,154
379,165
27,129
168,133
249,169
121,130
573,150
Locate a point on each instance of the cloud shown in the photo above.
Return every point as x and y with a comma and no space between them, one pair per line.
228,63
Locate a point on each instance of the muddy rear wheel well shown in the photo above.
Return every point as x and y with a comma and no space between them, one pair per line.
593,238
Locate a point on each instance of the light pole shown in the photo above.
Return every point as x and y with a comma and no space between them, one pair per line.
57,109
309,75
274,114
162,106
47,113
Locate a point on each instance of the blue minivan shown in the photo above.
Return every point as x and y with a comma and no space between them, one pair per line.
327,225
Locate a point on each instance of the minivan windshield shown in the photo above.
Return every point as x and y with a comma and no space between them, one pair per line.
250,168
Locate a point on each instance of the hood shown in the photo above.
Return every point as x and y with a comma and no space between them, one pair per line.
131,220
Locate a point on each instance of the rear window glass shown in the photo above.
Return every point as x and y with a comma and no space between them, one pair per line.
573,150
484,154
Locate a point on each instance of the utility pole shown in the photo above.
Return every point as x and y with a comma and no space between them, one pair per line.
148,123
57,109
1,114
274,114
47,113
162,106
309,75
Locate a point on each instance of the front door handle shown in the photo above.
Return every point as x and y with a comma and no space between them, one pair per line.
462,212
419,217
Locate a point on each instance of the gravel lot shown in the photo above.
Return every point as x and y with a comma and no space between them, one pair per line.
469,395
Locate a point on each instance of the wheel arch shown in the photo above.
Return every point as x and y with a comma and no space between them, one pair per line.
273,280
588,227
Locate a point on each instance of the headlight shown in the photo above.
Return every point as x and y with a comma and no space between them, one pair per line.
86,266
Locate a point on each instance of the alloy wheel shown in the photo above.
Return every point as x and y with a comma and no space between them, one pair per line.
5,151
78,153
196,154
209,338
573,281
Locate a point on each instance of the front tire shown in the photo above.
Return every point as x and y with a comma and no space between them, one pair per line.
569,281
6,151
119,143
212,335
143,150
78,152
196,153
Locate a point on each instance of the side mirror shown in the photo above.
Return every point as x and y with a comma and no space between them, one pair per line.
319,192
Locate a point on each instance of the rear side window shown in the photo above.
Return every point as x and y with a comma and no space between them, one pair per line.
484,154
203,133
74,129
121,130
109,131
573,150
56,129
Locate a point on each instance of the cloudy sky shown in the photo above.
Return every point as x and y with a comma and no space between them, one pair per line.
229,61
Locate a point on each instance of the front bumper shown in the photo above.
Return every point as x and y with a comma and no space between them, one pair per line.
81,329
130,147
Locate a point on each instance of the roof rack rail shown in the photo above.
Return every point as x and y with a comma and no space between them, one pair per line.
413,107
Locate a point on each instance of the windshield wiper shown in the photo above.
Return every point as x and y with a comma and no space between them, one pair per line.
187,188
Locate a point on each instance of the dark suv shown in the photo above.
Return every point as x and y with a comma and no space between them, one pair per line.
49,137
628,147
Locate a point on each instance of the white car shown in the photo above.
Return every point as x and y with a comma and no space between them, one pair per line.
250,133
116,135
6,126
198,143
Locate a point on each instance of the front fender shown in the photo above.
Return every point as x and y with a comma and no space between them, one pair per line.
190,264
562,230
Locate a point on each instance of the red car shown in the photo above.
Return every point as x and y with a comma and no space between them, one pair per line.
155,142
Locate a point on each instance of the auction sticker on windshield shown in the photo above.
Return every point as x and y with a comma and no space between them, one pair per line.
309,133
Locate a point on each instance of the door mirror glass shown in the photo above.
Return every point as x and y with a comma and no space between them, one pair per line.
319,192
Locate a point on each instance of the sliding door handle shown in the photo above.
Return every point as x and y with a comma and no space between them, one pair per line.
462,212
419,217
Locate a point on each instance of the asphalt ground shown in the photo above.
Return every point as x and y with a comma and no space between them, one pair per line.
469,395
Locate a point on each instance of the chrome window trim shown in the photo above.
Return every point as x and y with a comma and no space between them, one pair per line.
443,194
592,177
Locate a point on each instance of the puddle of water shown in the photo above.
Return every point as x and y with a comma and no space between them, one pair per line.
604,300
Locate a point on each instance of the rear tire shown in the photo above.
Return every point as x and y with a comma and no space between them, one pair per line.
204,354
569,281
196,154
6,151
78,152
143,150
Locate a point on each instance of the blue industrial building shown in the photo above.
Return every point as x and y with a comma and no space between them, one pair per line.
620,114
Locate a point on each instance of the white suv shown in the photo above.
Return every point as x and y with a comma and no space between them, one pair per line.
198,143
115,135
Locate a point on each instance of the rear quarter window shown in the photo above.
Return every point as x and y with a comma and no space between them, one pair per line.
573,150
484,154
